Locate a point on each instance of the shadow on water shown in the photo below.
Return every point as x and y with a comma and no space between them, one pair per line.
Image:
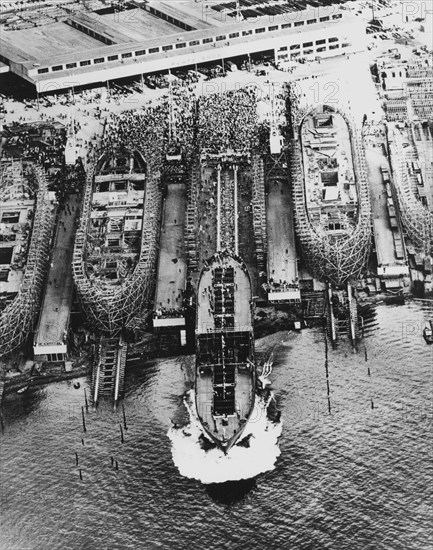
230,492
17,406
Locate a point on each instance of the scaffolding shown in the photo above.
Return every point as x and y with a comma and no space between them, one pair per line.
338,258
259,212
110,309
19,317
193,188
417,220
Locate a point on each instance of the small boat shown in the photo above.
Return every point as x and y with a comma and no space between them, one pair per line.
428,333
23,389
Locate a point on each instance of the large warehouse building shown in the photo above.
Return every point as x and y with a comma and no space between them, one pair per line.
85,47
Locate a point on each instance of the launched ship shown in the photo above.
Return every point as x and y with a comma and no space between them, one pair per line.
112,246
225,369
331,195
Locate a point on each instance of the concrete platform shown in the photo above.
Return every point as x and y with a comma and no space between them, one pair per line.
172,260
282,258
382,229
54,318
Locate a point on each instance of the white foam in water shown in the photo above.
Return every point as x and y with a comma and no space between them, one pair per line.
213,466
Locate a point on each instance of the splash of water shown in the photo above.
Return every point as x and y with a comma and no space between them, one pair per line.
212,465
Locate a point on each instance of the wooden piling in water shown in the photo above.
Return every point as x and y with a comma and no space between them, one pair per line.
124,418
85,400
121,434
84,420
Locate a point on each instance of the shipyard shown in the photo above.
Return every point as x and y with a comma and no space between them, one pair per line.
202,183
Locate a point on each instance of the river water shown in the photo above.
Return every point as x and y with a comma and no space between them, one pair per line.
352,472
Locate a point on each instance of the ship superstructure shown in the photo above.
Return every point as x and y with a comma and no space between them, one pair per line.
331,196
225,368
110,256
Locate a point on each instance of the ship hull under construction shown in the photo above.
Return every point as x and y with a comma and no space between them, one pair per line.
115,246
225,368
27,220
332,207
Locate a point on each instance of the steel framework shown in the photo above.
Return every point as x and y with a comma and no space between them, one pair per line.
334,259
110,309
18,318
416,218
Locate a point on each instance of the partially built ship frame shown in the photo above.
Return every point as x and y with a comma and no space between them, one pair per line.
115,254
27,223
332,204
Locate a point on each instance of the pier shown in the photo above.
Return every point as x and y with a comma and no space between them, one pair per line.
172,262
282,257
390,252
50,343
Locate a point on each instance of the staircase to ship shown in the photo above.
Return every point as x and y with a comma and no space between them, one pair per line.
342,315
109,369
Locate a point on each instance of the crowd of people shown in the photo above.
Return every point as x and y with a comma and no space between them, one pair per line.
42,143
228,121
168,312
148,129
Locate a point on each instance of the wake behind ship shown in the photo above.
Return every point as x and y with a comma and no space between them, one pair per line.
225,368
110,249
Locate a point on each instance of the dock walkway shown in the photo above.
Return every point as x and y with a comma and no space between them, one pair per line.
282,258
52,330
391,258
172,257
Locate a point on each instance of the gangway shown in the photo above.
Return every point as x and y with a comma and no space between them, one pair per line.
109,369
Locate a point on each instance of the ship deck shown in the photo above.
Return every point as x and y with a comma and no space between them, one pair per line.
224,427
330,186
116,221
17,206
224,292
225,377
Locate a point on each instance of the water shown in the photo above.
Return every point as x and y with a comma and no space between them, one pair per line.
359,477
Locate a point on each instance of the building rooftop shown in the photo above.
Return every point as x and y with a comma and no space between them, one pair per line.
43,42
198,15
137,25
